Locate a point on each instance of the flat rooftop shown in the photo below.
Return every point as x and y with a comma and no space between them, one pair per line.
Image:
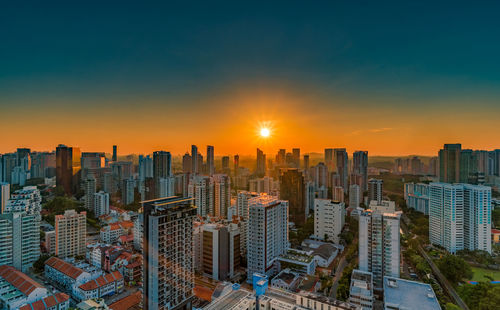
405,294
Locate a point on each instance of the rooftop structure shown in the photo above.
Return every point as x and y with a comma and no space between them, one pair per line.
405,294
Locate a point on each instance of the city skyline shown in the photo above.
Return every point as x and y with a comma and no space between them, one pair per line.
164,75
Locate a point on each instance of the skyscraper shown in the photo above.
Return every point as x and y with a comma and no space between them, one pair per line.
145,167
267,234
162,168
306,163
210,160
375,190
67,168
90,190
187,164
292,189
354,196
221,250
168,270
115,155
342,167
360,167
329,159
449,163
101,204
296,157
201,189
236,164
225,165
261,163
71,233
194,159
4,195
460,216
379,245
222,194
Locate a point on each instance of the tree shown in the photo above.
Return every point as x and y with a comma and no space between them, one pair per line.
454,268
450,306
39,265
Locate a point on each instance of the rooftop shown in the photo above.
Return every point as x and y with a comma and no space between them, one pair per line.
101,281
64,267
128,302
19,280
405,294
47,302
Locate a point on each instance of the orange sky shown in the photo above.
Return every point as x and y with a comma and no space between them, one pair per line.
231,120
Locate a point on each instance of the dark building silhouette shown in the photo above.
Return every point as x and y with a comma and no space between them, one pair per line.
68,168
292,188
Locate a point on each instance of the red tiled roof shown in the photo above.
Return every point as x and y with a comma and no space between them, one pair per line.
203,292
126,224
127,238
101,281
18,279
127,302
47,302
133,265
64,267
495,231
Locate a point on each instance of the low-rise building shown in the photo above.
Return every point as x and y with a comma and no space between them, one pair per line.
298,260
67,276
132,301
361,289
112,232
17,289
102,286
58,301
286,280
405,294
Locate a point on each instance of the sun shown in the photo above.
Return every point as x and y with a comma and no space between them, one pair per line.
264,132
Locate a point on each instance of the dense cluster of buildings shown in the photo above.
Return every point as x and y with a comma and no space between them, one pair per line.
228,223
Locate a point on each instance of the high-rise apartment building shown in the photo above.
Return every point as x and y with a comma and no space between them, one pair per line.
267,234
360,167
115,153
71,233
242,203
236,164
225,165
329,219
221,250
361,289
67,168
20,235
222,195
379,245
4,195
128,191
329,159
168,270
145,167
210,160
342,167
162,168
306,163
187,164
261,163
375,190
90,189
292,189
354,195
296,157
101,204
449,163
201,189
194,159
460,216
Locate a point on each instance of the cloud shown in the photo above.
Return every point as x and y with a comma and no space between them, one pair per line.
380,129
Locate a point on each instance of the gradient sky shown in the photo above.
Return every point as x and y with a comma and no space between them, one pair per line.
392,78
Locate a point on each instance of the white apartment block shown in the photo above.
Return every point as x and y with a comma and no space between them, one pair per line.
267,233
379,245
354,195
201,188
222,195
26,200
50,242
71,233
101,203
361,289
329,219
460,216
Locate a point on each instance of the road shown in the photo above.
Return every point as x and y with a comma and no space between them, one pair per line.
338,274
443,281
